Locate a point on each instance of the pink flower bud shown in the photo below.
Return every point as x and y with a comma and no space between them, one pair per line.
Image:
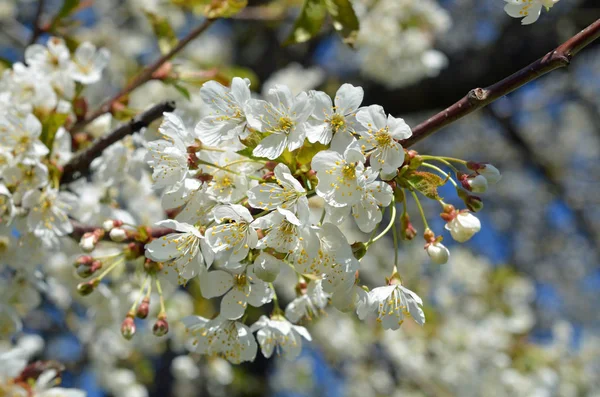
128,327
161,326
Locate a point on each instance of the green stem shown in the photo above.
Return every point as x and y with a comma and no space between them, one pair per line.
161,297
420,208
389,226
445,159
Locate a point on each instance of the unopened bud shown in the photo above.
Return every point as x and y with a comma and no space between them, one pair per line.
117,234
407,232
83,260
128,327
143,308
88,242
491,173
477,184
474,203
161,326
108,225
87,287
438,253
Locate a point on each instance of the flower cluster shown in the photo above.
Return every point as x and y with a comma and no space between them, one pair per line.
239,187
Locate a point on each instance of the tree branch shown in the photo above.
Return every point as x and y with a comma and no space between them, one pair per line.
480,97
144,76
79,229
37,28
79,165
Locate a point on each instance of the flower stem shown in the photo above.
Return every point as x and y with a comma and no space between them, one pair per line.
420,208
389,226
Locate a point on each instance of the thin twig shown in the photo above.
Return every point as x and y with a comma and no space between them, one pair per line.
144,76
79,229
79,165
480,97
37,22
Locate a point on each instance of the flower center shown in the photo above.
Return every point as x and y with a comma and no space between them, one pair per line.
383,138
338,122
240,280
349,171
285,124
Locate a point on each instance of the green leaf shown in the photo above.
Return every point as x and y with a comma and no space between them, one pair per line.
308,151
178,86
344,19
67,8
308,23
426,183
167,39
49,127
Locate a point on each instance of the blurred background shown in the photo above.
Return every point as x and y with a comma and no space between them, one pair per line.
514,312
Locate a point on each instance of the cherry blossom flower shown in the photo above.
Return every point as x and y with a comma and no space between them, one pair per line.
379,138
232,241
227,119
229,339
393,303
278,333
528,10
463,226
328,120
283,117
238,290
185,251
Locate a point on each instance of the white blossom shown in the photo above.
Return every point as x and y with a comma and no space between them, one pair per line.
88,62
463,226
328,120
185,251
393,303
528,10
231,340
438,253
238,290
49,210
378,138
283,117
232,240
278,333
287,196
227,119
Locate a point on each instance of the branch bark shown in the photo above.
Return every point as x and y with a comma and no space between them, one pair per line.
480,97
144,76
79,229
79,165
37,22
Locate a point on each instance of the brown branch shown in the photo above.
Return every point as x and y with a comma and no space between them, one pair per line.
79,229
79,165
144,76
480,97
37,22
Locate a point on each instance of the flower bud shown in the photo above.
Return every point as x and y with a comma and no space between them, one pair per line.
408,232
161,326
474,203
128,327
143,308
87,287
491,173
438,253
477,184
83,260
267,267
463,226
88,242
117,234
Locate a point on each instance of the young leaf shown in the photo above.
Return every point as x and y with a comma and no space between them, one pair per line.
179,87
308,23
344,19
426,183
49,127
167,39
